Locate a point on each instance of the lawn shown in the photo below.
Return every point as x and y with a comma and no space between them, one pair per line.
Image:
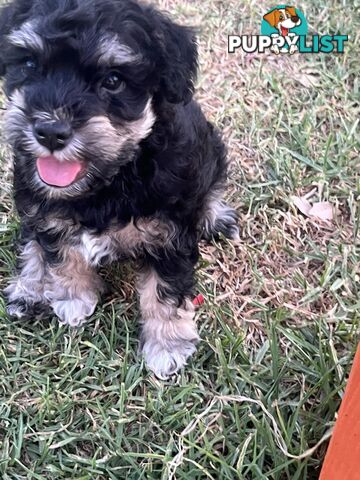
280,322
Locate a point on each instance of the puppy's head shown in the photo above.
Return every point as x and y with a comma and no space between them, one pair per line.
84,79
283,19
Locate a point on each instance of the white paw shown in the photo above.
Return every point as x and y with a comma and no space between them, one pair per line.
16,310
275,49
22,291
25,308
74,312
165,361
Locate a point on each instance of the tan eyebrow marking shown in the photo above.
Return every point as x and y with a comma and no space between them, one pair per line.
26,37
113,52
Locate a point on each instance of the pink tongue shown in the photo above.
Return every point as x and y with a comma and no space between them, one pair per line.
57,173
284,31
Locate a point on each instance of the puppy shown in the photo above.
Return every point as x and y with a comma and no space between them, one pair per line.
112,159
283,19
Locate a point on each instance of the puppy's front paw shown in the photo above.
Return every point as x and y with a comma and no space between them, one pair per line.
275,49
73,312
227,223
220,219
22,309
164,361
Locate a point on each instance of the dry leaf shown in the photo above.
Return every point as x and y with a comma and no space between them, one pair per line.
323,210
302,204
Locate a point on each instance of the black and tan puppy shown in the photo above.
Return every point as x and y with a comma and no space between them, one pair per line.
112,158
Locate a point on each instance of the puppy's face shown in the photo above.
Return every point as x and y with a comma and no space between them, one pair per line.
84,79
283,19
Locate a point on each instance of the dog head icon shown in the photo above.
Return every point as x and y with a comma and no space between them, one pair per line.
283,19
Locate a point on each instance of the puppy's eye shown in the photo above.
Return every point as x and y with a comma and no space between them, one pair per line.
113,82
29,65
281,17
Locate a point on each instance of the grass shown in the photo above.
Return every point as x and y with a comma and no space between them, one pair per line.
280,322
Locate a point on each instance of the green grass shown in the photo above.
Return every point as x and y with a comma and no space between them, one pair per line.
280,322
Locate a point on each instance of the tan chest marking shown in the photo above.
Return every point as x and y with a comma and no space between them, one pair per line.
146,234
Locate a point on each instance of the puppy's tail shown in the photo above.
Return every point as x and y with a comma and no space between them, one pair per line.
219,219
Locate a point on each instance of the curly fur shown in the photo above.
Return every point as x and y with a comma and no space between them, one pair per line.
155,168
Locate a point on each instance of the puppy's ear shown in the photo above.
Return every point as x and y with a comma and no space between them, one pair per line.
178,63
271,18
6,21
291,10
11,16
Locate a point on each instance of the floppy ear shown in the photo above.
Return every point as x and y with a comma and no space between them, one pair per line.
271,18
178,59
291,10
11,16
6,20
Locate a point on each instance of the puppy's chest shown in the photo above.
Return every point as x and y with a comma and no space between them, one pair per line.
131,240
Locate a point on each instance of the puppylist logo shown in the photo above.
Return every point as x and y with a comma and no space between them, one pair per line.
284,30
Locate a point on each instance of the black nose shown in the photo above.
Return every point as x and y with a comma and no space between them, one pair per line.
295,18
54,135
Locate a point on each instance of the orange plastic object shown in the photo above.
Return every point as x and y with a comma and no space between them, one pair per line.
342,460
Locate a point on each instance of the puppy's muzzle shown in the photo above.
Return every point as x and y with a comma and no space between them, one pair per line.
53,135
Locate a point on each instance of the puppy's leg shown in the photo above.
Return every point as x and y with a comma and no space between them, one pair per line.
26,291
275,48
219,218
73,288
169,335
